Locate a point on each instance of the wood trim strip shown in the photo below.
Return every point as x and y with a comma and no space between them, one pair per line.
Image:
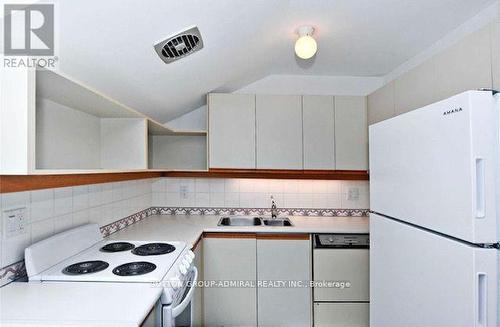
283,236
195,245
19,183
228,235
273,174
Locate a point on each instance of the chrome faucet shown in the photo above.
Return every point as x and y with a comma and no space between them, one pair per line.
274,209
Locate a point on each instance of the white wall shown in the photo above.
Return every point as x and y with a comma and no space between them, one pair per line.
193,120
483,18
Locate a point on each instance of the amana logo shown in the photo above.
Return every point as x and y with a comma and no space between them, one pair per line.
452,111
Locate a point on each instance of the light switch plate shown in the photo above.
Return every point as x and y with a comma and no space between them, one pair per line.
183,190
15,221
353,194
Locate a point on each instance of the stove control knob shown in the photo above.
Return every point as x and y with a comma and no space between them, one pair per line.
182,269
185,263
188,259
175,282
190,254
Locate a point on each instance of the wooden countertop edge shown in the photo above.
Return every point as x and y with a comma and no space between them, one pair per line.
198,241
228,235
259,235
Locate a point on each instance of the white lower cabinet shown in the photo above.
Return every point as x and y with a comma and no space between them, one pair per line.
262,260
197,302
230,258
283,260
341,315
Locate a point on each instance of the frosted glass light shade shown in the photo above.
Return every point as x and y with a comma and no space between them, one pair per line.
306,47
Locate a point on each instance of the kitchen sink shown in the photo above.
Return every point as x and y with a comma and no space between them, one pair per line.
277,222
239,221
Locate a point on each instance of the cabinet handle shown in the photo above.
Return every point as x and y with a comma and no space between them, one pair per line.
480,188
482,300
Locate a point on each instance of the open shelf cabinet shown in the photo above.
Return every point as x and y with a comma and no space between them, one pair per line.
53,124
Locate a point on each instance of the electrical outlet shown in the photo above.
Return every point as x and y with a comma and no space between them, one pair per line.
184,191
353,194
15,221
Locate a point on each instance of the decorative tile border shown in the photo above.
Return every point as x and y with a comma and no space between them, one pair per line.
120,224
17,270
12,272
259,211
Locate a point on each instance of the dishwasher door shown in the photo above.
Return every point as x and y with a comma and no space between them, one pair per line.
341,314
341,273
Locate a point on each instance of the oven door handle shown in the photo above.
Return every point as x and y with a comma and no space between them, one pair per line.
181,306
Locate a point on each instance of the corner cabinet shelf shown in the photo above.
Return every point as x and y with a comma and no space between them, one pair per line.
176,150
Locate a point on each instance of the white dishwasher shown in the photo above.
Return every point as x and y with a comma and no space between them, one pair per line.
341,280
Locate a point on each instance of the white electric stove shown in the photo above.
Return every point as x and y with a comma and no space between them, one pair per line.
81,255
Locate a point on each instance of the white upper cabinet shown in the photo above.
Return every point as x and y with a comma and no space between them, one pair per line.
319,132
351,133
231,130
279,131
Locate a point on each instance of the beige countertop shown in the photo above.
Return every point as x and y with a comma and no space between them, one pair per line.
189,228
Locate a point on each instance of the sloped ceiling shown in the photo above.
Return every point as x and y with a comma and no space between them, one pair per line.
109,44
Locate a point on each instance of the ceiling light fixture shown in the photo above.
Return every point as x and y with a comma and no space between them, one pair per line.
305,46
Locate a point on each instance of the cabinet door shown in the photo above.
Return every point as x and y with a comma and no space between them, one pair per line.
230,259
351,133
341,314
197,302
279,132
284,259
319,132
231,127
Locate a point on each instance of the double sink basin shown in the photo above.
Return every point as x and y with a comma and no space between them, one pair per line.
254,221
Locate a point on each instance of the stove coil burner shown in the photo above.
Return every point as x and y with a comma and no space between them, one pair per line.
86,267
117,247
134,268
153,249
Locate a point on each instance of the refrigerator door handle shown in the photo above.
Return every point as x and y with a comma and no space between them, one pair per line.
482,300
480,188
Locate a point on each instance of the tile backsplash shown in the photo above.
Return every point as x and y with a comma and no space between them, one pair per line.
51,211
256,193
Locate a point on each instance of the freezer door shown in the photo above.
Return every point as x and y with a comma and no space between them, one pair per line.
418,278
435,166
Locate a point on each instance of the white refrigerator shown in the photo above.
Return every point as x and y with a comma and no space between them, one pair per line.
434,226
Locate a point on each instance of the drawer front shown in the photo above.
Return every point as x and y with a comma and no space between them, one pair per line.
350,266
341,315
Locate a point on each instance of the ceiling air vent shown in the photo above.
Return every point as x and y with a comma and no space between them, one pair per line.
180,45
